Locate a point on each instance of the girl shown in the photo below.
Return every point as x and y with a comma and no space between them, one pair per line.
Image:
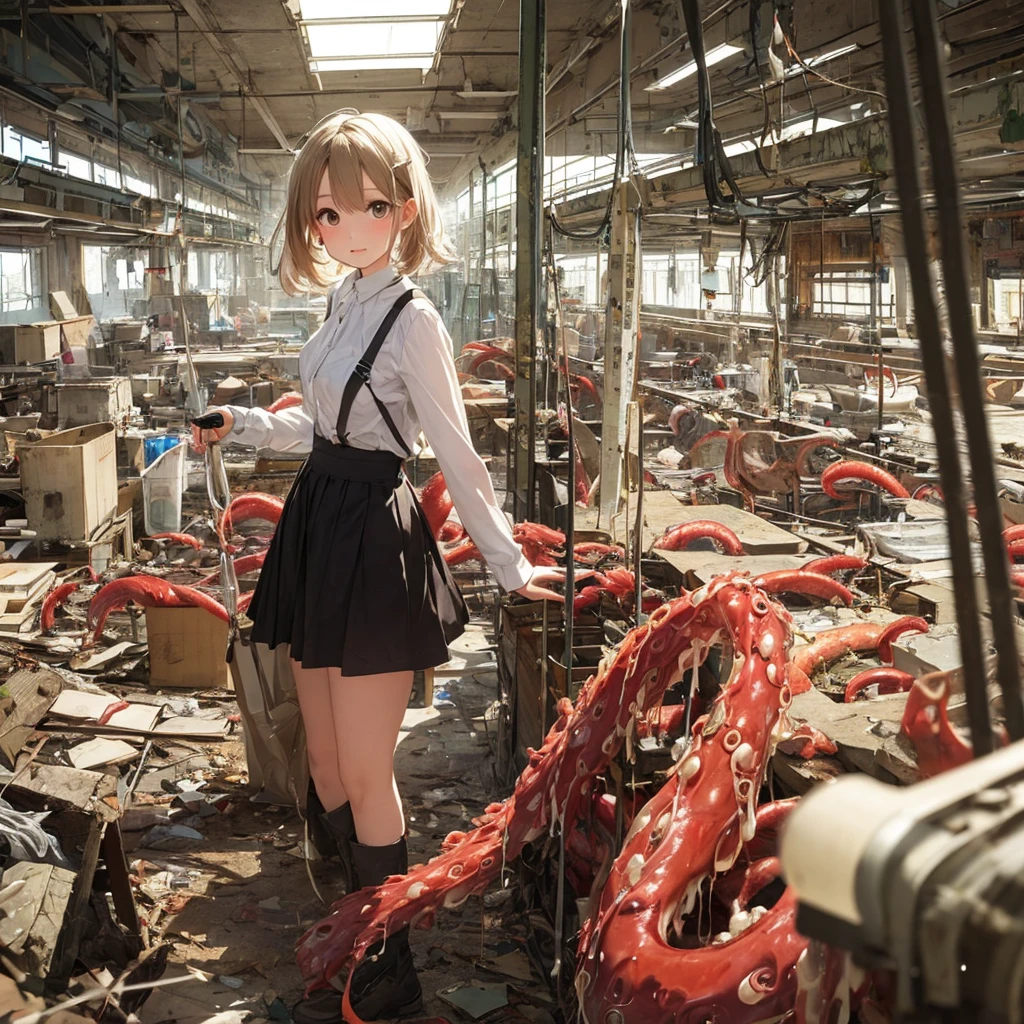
353,580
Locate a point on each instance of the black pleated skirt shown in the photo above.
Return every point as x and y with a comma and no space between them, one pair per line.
353,578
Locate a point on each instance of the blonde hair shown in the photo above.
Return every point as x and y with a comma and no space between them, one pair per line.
346,144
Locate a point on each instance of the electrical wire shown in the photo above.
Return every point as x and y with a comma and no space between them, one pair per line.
623,137
710,152
831,81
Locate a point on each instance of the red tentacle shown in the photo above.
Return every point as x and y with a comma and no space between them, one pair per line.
847,471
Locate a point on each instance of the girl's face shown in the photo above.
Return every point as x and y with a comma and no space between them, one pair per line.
361,238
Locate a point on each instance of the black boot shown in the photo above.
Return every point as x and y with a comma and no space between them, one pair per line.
331,833
385,983
322,840
324,1005
342,827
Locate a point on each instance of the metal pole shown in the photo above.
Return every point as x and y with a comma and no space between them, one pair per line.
619,349
529,209
932,72
483,254
908,181
873,323
181,135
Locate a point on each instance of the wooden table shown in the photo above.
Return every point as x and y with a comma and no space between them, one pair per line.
663,509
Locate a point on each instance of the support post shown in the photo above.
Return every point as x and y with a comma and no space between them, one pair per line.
620,346
529,212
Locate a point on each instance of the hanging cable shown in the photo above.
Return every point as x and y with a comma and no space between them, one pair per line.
710,152
623,136
831,81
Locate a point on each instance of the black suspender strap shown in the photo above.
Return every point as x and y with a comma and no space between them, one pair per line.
361,374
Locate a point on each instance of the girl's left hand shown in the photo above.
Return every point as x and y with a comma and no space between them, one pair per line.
542,574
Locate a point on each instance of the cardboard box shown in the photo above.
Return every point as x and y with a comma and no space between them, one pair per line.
228,390
95,401
187,648
69,481
77,330
35,343
129,496
263,393
61,306
145,384
129,332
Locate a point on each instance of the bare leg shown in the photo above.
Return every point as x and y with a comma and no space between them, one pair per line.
313,688
368,712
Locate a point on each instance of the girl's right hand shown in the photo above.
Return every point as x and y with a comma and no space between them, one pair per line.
202,437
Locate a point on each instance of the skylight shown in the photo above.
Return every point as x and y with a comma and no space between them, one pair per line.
390,35
713,56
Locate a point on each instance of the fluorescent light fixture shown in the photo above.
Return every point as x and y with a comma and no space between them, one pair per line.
349,44
313,10
807,127
743,146
471,115
407,38
421,62
824,58
488,94
714,56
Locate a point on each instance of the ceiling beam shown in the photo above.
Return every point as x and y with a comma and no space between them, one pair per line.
196,12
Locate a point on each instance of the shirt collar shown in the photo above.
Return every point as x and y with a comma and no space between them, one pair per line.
368,287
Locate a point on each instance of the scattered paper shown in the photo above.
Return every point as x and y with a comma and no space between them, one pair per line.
101,751
79,706
477,998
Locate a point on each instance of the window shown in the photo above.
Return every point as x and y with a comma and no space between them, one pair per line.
19,146
133,184
76,166
104,175
114,278
847,293
1009,301
21,281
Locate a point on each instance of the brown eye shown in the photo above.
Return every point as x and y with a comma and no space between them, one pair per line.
379,208
328,216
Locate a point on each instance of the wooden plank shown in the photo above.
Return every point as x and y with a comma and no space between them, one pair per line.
30,929
859,729
797,776
55,786
32,693
663,509
63,962
112,850
698,567
22,580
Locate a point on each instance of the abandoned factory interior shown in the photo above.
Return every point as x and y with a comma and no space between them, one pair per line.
512,511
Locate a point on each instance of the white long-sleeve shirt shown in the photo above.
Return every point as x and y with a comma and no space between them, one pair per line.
414,376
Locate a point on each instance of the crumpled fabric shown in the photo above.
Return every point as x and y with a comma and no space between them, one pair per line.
27,838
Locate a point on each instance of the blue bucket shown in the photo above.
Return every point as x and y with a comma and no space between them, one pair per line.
154,447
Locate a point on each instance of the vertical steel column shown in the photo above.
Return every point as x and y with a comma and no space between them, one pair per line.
903,137
483,254
529,213
932,72
469,239
619,347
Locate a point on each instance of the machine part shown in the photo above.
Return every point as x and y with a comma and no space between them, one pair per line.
923,881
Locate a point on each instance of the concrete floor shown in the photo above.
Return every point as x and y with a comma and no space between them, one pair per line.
250,897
